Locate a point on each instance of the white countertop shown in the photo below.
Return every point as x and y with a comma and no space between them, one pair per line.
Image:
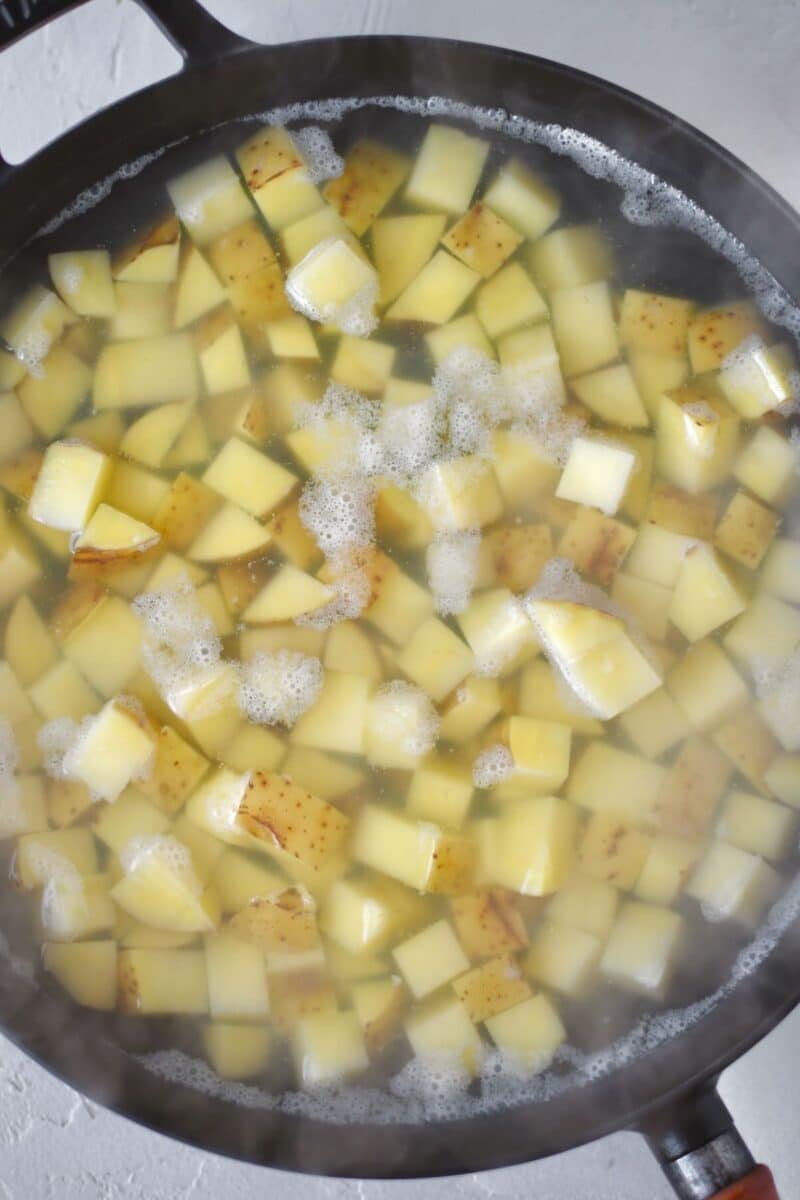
730,67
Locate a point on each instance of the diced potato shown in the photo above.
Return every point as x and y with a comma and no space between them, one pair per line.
642,948
647,602
498,632
715,332
328,1047
757,379
380,1005
34,325
655,324
522,469
570,257
238,878
540,751
401,246
746,530
363,364
655,724
611,392
482,239
209,199
470,709
765,634
16,430
400,726
144,371
83,280
611,851
70,485
415,853
288,594
491,988
348,648
161,888
732,885
440,791
197,290
52,396
237,979
365,913
281,814
333,284
767,466
440,1030
86,970
597,544
508,301
524,200
706,594
29,647
111,538
517,554
782,777
757,825
76,907
535,845
657,555
611,781
430,959
277,176
292,337
230,534
136,491
148,439
488,923
284,927
587,904
697,437
747,740
542,695
372,174
22,806
245,476
44,856
325,775
528,1034
162,982
293,539
63,692
692,789
436,659
706,686
447,169
666,869
461,493
142,310
563,958
336,720
596,473
152,258
245,262
132,816
106,645
253,746
110,752
584,327
435,295
457,336
237,1051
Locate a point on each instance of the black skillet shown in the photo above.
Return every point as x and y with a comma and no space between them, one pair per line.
668,1094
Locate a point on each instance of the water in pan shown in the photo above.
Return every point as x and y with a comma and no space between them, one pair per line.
436,1091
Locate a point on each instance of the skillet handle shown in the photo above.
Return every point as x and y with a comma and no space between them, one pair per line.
194,33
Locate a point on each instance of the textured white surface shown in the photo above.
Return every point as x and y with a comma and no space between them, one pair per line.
728,66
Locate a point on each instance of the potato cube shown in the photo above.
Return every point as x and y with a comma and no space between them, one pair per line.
17,430
611,781
372,174
29,647
544,696
237,1051
440,791
82,279
654,323
44,856
292,337
528,1034
106,646
334,285
76,906
767,466
277,177
111,539
517,553
336,720
655,724
508,301
325,775
671,508
596,473
153,257
435,295
379,1005
69,486
238,878
706,594
757,825
765,634
328,1047
697,437
457,336
162,889
283,926
288,594
535,845
597,544
782,777
498,632
482,239
732,885
746,530
111,751
248,478
611,392
22,805
436,659
416,853
349,648
136,491
569,257
706,686
430,959
230,534
142,310
757,378
587,904
441,1030
400,520
197,290
237,979
524,200
469,709
132,816
278,812
692,789
522,469
209,199
488,923
63,692
647,602
540,751
223,358
666,869
292,538
491,988
447,169
147,370
584,327
86,970
655,374
401,726
363,914
715,332
748,742
642,948
51,397
611,851
563,958
657,555
162,982
401,246
33,325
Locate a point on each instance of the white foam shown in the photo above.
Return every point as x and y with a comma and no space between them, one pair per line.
451,562
355,315
405,716
144,849
352,586
277,686
492,766
339,512
54,740
92,196
319,153
778,685
64,903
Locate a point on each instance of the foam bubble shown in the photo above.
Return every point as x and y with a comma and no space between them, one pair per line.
277,686
405,716
778,686
452,566
55,738
145,849
339,512
64,903
492,766
181,650
351,581
315,145
92,196
355,316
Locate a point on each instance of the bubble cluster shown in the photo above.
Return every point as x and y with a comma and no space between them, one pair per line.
55,738
406,717
180,647
145,850
778,685
339,512
320,156
492,766
452,567
277,686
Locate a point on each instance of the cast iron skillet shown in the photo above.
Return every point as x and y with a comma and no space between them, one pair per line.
669,1094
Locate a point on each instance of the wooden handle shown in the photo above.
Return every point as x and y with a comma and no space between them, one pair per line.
758,1185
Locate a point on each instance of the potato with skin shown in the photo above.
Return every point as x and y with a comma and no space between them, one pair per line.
277,811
